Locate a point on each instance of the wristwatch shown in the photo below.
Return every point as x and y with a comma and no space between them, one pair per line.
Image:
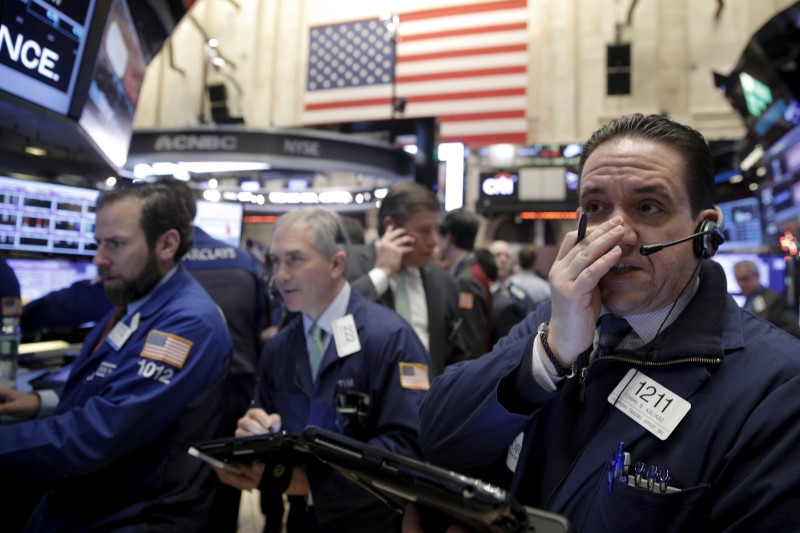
562,372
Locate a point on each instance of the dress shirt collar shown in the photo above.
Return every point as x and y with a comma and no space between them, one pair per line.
337,309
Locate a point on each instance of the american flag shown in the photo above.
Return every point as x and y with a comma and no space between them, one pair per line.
414,376
166,347
466,64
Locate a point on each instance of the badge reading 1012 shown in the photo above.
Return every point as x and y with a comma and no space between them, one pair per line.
650,404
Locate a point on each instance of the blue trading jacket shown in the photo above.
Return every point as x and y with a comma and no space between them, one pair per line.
733,456
114,452
286,388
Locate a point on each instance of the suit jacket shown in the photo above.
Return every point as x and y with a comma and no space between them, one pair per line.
387,346
444,327
773,307
474,305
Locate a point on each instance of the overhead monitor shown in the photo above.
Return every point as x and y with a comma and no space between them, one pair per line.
42,44
106,114
781,194
742,224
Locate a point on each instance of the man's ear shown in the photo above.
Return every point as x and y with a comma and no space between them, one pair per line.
167,245
339,263
388,222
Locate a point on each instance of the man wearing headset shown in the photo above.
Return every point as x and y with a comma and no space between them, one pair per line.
683,416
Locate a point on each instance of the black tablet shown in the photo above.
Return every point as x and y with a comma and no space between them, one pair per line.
248,449
399,480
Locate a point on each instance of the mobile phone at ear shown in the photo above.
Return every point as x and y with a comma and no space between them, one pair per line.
582,222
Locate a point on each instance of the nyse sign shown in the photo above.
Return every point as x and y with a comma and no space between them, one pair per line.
302,147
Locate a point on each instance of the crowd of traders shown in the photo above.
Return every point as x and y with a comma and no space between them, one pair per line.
534,384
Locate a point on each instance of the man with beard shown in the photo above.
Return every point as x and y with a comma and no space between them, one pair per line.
641,352
148,382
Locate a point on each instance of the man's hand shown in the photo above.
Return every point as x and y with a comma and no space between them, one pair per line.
394,244
412,522
249,478
575,294
19,404
257,422
298,486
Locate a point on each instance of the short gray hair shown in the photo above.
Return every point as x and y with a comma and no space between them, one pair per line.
327,230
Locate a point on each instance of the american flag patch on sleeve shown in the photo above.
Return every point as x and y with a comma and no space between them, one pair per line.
166,347
414,376
466,300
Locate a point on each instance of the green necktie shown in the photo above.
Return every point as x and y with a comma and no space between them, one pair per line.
317,349
401,303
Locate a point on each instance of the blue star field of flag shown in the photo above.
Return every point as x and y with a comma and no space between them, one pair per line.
354,54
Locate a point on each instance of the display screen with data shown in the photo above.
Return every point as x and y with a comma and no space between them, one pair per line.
38,277
46,217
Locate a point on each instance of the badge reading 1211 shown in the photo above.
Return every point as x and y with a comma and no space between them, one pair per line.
650,404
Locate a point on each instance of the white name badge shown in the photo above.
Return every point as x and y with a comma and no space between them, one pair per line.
650,404
118,336
512,458
345,335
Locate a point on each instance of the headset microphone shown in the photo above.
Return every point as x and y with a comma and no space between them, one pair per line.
649,249
704,247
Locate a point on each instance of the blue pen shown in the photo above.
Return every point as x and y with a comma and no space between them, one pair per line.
615,466
638,471
619,460
652,472
664,479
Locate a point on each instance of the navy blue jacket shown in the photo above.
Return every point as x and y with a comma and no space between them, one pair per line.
233,279
114,453
286,388
734,455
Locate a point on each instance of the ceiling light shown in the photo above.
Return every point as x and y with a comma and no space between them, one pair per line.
212,195
35,150
161,168
250,185
752,158
335,197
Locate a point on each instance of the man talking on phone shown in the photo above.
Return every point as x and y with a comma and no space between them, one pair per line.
641,397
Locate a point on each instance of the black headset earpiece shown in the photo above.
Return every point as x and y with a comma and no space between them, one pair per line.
710,238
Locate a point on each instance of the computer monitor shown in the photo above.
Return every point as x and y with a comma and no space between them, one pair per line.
39,216
771,270
221,220
38,277
742,224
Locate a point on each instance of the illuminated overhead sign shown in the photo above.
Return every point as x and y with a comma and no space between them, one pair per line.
500,184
